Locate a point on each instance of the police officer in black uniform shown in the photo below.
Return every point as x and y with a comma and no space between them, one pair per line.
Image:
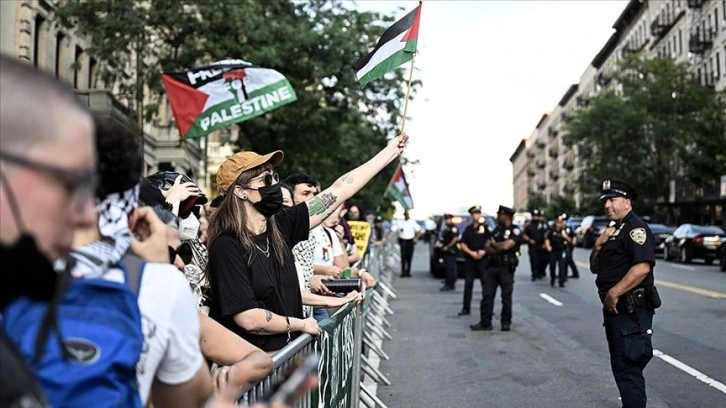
570,248
534,235
556,242
448,240
502,251
623,258
472,243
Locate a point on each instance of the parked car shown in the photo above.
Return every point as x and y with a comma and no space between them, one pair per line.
590,228
691,241
436,260
661,233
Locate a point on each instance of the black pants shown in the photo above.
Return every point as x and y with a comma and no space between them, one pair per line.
558,261
631,349
571,262
406,256
473,270
538,261
451,272
497,276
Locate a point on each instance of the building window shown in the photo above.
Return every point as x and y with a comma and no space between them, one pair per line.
77,65
59,60
680,41
92,69
718,65
38,34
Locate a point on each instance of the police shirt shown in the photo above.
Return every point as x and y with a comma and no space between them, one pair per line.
448,234
557,241
502,233
632,243
475,237
536,231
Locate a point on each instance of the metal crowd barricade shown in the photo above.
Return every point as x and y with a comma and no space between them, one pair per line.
350,344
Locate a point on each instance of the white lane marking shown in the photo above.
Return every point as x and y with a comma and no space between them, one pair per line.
690,371
688,268
550,299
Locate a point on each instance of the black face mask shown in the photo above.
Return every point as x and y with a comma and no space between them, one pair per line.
27,271
271,200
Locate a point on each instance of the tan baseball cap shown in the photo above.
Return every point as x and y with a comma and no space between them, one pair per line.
243,161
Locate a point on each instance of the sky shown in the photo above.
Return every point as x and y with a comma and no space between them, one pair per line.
490,70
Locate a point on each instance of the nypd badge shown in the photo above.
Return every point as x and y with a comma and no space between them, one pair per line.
606,185
638,235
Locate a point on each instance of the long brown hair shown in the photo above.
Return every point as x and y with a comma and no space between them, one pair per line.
231,219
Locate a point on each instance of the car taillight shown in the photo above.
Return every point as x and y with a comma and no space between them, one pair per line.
698,240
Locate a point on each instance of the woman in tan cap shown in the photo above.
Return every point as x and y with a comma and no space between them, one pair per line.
254,285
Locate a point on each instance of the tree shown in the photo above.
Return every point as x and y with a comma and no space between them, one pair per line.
333,126
656,125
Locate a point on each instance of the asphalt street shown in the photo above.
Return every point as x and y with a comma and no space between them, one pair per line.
556,354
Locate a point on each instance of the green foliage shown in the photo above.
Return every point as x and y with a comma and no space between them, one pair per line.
659,125
334,126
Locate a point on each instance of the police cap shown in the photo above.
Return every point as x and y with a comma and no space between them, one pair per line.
505,210
378,218
447,215
617,188
536,212
475,209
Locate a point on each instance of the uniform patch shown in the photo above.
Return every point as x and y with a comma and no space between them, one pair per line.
638,235
516,231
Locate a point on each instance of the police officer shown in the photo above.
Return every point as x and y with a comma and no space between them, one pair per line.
534,235
556,242
623,258
502,250
448,240
570,248
473,240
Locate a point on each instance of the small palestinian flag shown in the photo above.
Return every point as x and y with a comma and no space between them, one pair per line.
398,189
219,95
396,46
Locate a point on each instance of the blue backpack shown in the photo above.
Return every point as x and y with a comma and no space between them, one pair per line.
84,345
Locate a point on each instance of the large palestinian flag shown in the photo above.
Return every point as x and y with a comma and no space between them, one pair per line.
398,189
396,46
224,93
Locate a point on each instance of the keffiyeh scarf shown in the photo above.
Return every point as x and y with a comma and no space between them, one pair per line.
92,260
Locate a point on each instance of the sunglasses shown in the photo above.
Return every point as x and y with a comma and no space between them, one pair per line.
184,251
82,183
268,179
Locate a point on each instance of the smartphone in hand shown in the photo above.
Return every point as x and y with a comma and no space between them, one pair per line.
292,386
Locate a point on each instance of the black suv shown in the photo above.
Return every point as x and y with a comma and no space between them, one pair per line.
436,260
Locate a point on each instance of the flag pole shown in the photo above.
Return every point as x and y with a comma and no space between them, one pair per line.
408,93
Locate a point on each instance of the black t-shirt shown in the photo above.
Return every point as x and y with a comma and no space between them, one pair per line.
475,237
632,243
536,231
237,287
449,233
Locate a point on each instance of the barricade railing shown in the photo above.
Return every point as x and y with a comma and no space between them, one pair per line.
350,338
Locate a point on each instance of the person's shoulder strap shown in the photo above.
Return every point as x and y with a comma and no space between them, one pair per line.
330,237
134,267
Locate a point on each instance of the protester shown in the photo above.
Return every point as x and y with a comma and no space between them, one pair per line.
255,291
47,173
171,365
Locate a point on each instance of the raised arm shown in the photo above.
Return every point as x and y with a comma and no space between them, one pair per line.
322,205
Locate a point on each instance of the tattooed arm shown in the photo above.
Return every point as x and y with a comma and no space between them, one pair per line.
322,205
264,322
